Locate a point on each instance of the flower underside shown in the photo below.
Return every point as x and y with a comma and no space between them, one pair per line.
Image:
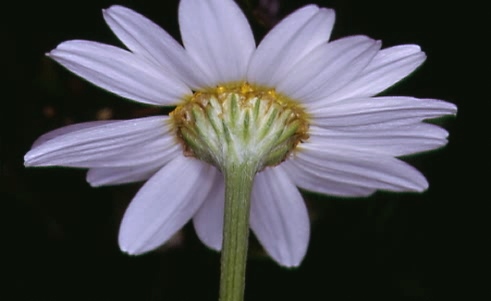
240,123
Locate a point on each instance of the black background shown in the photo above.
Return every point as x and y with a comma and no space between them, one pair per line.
58,235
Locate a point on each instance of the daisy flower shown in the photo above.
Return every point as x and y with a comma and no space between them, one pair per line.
304,107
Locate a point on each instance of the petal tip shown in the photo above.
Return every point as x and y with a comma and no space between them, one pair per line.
127,245
329,12
291,263
310,6
113,7
420,184
92,182
453,109
60,47
216,248
29,159
127,250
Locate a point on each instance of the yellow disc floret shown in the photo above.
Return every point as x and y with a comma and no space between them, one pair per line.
240,122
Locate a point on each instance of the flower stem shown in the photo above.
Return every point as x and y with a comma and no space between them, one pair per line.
238,186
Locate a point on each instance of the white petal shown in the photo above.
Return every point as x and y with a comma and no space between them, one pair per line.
120,72
68,129
291,40
218,37
348,68
358,112
164,204
135,165
208,221
316,66
387,68
359,168
121,175
313,180
147,39
396,141
279,217
329,67
115,143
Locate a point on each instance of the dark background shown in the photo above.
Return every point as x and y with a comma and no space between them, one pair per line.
58,235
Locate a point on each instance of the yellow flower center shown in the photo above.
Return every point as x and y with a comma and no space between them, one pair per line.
239,123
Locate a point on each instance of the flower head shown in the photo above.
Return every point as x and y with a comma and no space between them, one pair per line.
327,131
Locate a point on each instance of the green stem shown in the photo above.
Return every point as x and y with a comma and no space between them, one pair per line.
238,186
